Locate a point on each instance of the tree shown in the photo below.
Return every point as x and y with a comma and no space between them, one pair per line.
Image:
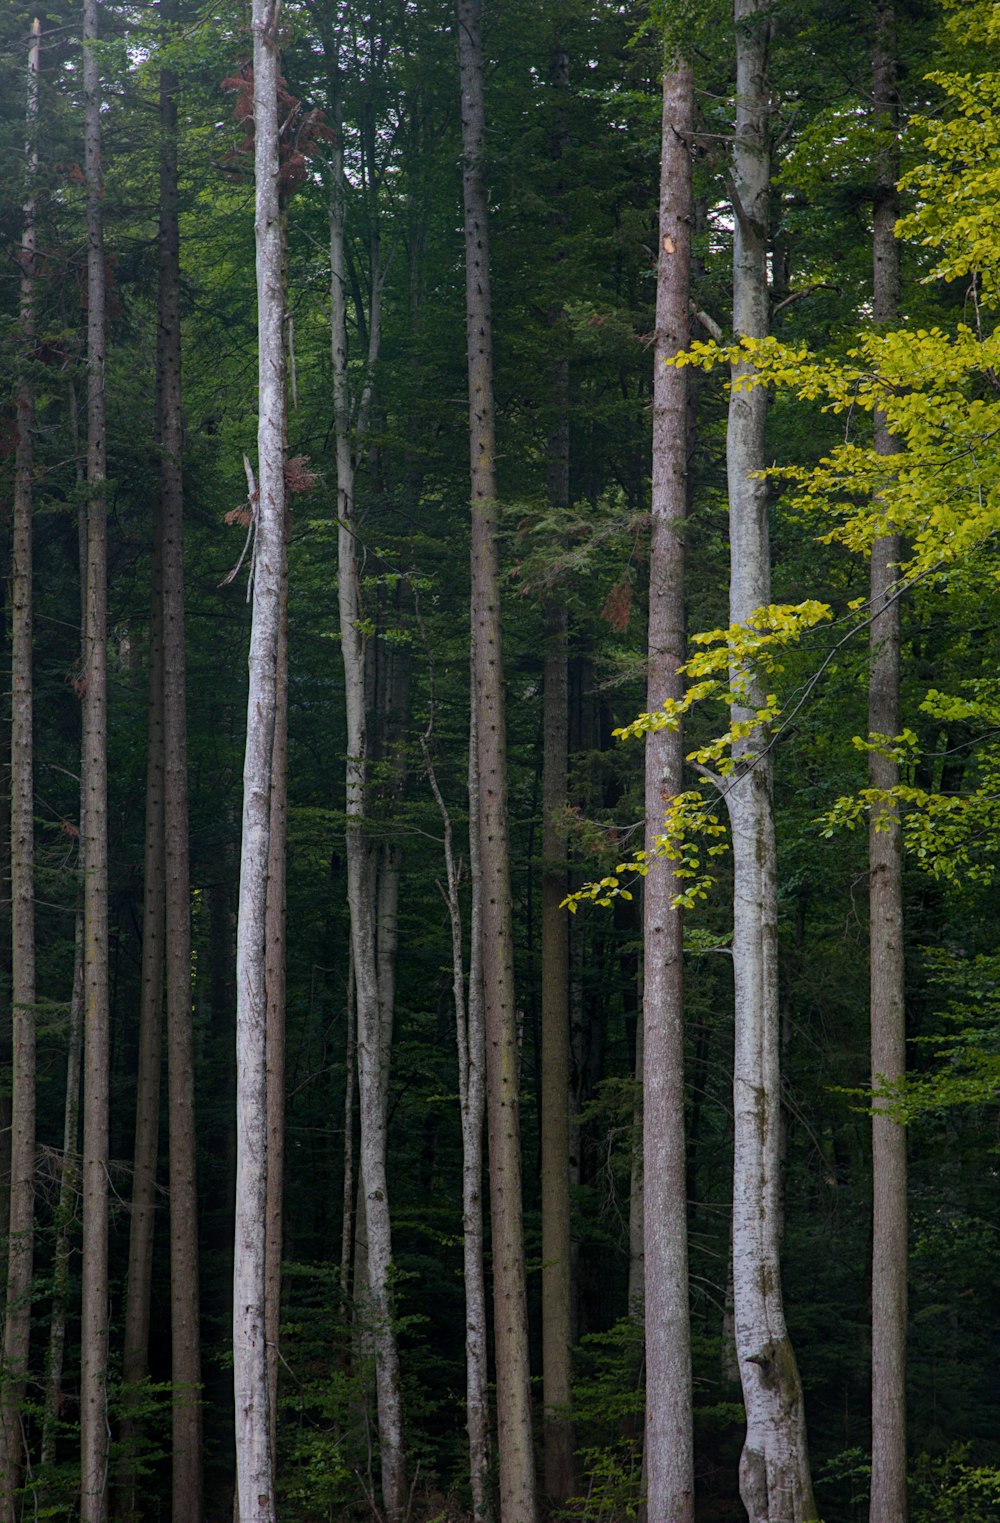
266,501
20,1250
69,1164
888,994
557,1294
471,1044
510,1314
145,1152
96,1016
774,1469
372,961
185,1328
669,1436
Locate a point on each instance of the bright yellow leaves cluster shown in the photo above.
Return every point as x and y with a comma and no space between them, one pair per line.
688,821
741,655
939,394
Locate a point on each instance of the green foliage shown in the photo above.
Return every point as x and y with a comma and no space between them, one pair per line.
325,1398
948,1489
608,1407
614,1477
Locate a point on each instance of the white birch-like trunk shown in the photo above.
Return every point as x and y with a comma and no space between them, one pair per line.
669,1422
275,978
774,1468
254,1460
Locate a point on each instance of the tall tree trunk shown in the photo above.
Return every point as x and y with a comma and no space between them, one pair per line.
555,1128
555,1119
517,1477
135,1351
373,1037
347,1194
65,1215
20,1243
69,1174
185,1333
276,1021
473,1101
636,1193
669,1441
96,1022
774,1468
888,993
254,1460
471,1043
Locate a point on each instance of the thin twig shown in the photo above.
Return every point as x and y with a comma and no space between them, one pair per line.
817,285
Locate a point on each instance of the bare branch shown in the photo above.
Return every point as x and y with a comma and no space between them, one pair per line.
251,526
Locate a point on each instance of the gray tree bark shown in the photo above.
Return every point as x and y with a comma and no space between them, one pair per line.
888,990
96,1024
558,1435
471,1043
636,1193
135,1345
69,1174
669,1422
254,1460
20,1242
276,943
347,1194
185,1331
373,1014
775,1481
516,1458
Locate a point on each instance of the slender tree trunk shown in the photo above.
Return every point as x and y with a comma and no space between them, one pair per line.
556,1266
473,1118
254,1460
669,1441
888,993
347,1208
184,1281
20,1243
96,1023
276,1021
69,1177
517,1477
6,947
557,1294
135,1352
373,1037
69,1181
471,1045
636,1194
775,1481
